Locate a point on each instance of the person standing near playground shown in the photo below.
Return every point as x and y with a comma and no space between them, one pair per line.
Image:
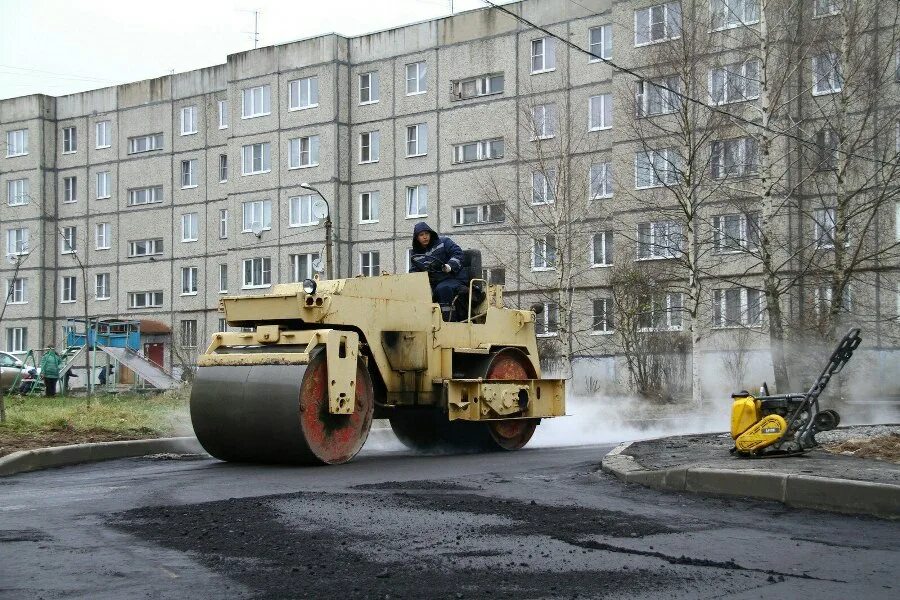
50,364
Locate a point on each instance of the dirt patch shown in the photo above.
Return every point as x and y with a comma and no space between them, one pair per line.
10,443
880,448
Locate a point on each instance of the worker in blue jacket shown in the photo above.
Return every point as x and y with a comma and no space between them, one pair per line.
441,258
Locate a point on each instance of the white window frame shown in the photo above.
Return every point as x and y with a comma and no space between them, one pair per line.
70,189
256,101
744,149
601,47
104,185
145,195
223,114
153,141
69,242
416,140
303,152
543,55
477,87
369,263
102,286
824,227
493,149
102,237
543,187
17,241
671,30
825,8
300,211
606,320
190,227
102,134
302,262
16,340
16,143
260,266
600,181
416,201
17,192
70,140
483,214
250,156
151,247
542,259
748,316
17,290
603,113
834,79
188,120
607,249
674,312
223,278
546,324
738,78
372,80
723,15
189,280
663,164
68,289
369,141
151,299
665,90
223,223
656,250
747,224
223,168
296,89
544,122
369,200
189,174
260,212
418,82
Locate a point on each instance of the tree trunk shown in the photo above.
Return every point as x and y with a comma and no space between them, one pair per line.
776,342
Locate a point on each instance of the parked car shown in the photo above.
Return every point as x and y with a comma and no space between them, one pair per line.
10,368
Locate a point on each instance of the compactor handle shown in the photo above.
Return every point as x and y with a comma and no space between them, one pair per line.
840,357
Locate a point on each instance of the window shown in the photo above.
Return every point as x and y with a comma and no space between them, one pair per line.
543,55
478,214
736,232
602,249
70,189
145,299
257,272
657,23
416,201
223,223
473,87
15,291
101,286
300,209
659,239
417,140
823,296
189,276
303,93
368,207
17,192
145,143
147,195
190,227
474,151
302,266
656,168
735,307
188,120
543,119
189,173
223,114
496,276
735,82
303,152
16,143
102,236
257,214
223,325
145,247
725,14
736,157
68,287
543,253
543,187
416,78
256,158
823,8
369,147
256,102
658,97
368,88
827,146
69,241
16,339
70,140
600,112
103,134
223,168
600,39
223,278
546,324
188,333
601,183
826,74
103,185
603,316
661,312
825,227
369,263
17,241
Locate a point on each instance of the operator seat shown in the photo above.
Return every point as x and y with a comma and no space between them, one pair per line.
471,269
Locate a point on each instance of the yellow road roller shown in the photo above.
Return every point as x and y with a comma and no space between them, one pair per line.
315,362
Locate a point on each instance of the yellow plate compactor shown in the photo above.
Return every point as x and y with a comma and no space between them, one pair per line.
315,362
785,425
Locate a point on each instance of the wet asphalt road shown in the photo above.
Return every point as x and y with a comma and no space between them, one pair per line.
538,523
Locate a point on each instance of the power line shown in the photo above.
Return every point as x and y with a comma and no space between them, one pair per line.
678,93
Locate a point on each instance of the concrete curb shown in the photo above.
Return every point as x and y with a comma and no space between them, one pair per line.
801,491
59,456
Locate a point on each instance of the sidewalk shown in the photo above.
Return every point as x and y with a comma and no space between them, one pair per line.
703,464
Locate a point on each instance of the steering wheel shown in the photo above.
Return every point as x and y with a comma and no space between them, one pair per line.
428,263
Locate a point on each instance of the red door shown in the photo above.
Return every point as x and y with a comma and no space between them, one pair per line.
154,353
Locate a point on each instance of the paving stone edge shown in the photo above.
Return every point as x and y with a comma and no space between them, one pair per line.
802,491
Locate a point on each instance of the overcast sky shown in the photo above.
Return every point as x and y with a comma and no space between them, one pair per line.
58,47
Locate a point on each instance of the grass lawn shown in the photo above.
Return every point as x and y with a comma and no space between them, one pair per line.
36,421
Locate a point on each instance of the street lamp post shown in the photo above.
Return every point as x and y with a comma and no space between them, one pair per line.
329,262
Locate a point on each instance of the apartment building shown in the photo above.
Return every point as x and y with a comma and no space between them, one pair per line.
156,198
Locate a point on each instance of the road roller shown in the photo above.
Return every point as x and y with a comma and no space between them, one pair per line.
311,364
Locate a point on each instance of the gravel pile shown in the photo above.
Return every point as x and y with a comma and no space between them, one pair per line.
856,432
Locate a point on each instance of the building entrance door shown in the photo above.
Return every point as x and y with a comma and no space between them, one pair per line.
154,353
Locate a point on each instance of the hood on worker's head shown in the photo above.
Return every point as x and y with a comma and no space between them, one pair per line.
419,228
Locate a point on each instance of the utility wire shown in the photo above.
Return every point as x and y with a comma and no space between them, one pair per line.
675,92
